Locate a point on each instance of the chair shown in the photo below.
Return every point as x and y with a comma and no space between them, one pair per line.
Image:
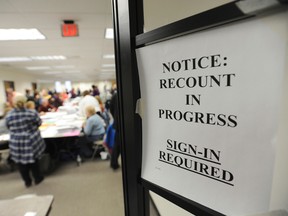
98,145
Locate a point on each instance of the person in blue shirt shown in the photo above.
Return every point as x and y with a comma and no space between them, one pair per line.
94,126
94,130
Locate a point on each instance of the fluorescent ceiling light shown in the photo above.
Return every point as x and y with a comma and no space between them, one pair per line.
64,66
14,59
106,74
108,65
44,81
108,70
48,57
72,71
38,68
109,33
52,72
106,77
20,34
35,58
109,56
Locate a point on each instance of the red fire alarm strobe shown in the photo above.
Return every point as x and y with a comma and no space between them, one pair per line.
69,29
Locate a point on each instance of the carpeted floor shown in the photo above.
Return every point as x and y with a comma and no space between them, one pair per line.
90,189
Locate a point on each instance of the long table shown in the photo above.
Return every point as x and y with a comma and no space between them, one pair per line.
61,124
56,125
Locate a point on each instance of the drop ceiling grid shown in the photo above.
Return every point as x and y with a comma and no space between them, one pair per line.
47,16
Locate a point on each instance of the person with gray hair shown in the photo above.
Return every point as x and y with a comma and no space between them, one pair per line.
26,144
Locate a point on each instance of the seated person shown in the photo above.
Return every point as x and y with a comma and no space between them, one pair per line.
30,105
94,126
93,130
45,107
55,101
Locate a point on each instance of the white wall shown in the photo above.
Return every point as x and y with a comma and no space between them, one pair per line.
21,82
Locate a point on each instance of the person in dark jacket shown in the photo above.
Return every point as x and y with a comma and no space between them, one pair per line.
55,101
95,90
117,145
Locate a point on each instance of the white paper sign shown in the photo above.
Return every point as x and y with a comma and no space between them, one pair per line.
209,111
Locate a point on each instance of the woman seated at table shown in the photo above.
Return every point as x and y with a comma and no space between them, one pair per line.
93,129
30,105
94,126
45,107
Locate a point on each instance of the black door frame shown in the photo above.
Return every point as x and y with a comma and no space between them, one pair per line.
128,20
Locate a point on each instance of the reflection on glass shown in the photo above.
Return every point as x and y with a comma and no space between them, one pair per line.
162,12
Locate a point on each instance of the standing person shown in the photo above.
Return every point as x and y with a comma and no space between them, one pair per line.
95,90
117,145
37,100
87,100
28,95
73,93
26,144
78,92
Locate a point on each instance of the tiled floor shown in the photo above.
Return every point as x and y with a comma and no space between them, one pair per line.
90,189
